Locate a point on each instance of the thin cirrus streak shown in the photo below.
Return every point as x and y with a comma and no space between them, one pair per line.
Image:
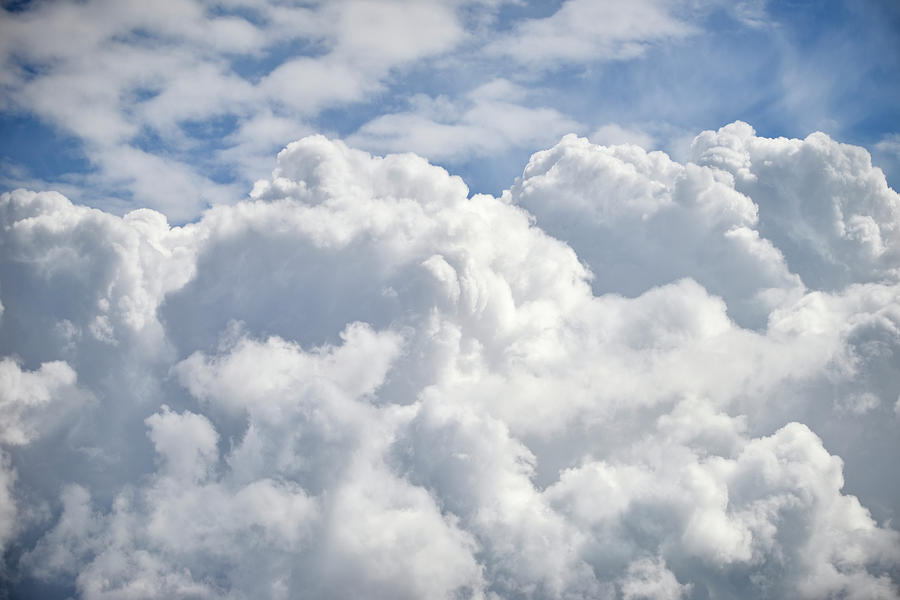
624,377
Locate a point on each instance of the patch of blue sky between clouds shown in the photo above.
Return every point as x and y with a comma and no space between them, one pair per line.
788,68
47,154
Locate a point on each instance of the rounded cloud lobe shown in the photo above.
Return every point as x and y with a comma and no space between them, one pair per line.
625,377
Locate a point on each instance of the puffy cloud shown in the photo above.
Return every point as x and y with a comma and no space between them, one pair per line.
26,395
650,579
32,403
821,202
99,278
625,377
639,219
760,516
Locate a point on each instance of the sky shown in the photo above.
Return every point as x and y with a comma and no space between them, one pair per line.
449,299
99,98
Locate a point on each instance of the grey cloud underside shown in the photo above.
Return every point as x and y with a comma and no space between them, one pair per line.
625,377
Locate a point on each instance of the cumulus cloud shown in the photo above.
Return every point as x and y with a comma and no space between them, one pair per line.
625,377
820,200
639,219
32,403
26,396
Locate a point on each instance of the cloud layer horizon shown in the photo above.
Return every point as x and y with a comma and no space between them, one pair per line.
624,377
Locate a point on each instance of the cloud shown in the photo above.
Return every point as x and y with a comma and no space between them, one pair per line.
822,202
98,100
624,377
26,396
133,85
886,153
582,31
890,144
612,134
736,513
488,120
32,404
639,219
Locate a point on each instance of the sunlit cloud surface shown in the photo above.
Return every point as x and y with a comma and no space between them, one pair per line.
449,300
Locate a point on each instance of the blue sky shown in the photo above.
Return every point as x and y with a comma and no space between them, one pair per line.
209,92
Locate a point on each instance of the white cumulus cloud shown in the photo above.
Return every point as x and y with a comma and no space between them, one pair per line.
625,377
